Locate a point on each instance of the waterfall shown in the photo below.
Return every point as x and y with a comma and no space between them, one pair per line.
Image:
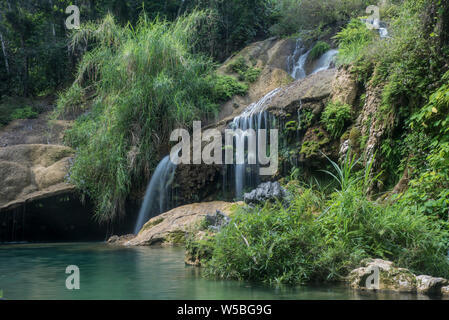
253,117
298,60
325,61
158,194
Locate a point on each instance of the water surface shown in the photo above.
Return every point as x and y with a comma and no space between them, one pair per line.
37,271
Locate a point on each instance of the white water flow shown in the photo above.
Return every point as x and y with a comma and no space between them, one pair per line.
325,61
158,194
253,117
300,58
297,61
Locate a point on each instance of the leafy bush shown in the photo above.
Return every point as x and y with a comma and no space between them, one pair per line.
226,87
24,113
335,118
352,41
294,16
245,72
318,50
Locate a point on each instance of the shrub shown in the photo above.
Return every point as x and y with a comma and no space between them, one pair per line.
294,16
335,117
226,87
245,72
352,41
318,50
24,113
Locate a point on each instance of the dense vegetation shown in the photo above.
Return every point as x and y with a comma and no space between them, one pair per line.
323,236
137,69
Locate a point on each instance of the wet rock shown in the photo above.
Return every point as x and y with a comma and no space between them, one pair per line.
445,291
430,285
390,278
344,87
267,191
217,220
171,227
118,240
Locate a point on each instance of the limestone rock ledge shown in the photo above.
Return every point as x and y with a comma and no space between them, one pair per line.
32,171
171,227
392,278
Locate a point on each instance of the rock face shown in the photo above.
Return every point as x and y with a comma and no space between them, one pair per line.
217,220
270,56
32,171
392,278
171,227
267,191
430,285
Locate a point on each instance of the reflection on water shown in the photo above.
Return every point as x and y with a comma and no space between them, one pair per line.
37,271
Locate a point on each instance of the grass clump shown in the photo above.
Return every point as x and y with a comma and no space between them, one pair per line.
335,117
318,50
147,81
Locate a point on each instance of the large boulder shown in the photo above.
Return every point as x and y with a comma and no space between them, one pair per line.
390,278
32,171
171,227
378,274
430,285
267,191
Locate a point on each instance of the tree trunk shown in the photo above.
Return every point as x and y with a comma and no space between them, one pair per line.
4,53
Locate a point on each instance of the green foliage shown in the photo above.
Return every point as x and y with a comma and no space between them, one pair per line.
296,15
17,108
70,103
245,72
147,83
226,87
335,117
24,113
352,41
318,50
429,189
275,244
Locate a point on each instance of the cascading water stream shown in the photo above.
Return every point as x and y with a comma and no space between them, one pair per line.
325,61
254,117
298,61
158,194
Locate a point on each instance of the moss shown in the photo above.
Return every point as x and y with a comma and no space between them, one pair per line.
177,237
355,137
150,224
310,148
